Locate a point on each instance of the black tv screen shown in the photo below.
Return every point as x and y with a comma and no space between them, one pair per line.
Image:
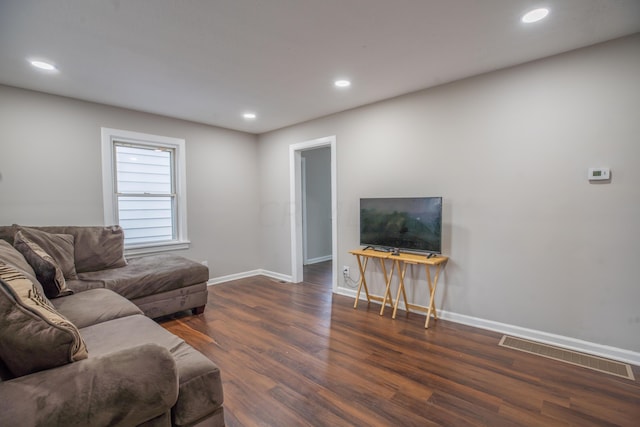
408,223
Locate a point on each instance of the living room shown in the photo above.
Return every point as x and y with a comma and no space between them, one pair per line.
535,249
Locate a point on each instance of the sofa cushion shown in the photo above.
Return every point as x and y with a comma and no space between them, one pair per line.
200,384
33,335
150,275
46,268
5,373
11,255
121,389
84,285
58,246
98,248
94,306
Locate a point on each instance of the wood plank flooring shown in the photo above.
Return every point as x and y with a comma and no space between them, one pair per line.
318,273
296,355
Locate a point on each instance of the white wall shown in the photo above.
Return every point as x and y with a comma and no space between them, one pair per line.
50,170
531,242
318,201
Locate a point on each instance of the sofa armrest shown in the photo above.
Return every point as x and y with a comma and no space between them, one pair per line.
128,388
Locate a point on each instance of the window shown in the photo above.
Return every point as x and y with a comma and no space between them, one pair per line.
144,189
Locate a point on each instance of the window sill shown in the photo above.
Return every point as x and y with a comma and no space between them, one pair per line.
151,248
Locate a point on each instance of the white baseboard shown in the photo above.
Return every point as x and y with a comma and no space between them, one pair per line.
277,276
244,275
575,344
319,259
614,353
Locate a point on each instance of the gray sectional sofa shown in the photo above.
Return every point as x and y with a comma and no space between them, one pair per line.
79,350
159,284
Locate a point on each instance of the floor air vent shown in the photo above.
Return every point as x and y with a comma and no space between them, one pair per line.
573,357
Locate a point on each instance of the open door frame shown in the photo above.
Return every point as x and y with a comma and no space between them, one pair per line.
295,175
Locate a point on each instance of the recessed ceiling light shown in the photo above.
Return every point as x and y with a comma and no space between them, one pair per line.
342,83
535,15
249,116
42,65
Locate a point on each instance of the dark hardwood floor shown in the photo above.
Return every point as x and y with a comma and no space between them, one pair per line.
318,274
296,355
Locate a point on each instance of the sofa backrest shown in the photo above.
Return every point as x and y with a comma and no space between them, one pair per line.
7,232
96,247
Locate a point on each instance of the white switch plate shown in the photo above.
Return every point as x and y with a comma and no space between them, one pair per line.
599,174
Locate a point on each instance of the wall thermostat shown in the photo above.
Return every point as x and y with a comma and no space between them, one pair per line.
599,174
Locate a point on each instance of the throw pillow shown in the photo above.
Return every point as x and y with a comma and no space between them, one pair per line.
33,335
47,270
59,246
11,255
7,232
98,248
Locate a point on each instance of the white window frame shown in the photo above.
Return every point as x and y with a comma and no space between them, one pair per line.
109,138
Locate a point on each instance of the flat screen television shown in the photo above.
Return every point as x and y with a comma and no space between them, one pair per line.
410,224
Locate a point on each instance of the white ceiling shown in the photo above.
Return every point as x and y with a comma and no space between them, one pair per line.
211,60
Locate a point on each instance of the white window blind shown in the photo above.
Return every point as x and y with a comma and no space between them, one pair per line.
146,195
144,189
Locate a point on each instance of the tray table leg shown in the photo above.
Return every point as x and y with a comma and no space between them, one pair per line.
432,294
387,292
362,282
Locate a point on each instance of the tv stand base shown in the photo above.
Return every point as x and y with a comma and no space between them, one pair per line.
399,262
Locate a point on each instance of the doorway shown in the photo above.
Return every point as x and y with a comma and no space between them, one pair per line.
316,216
297,193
